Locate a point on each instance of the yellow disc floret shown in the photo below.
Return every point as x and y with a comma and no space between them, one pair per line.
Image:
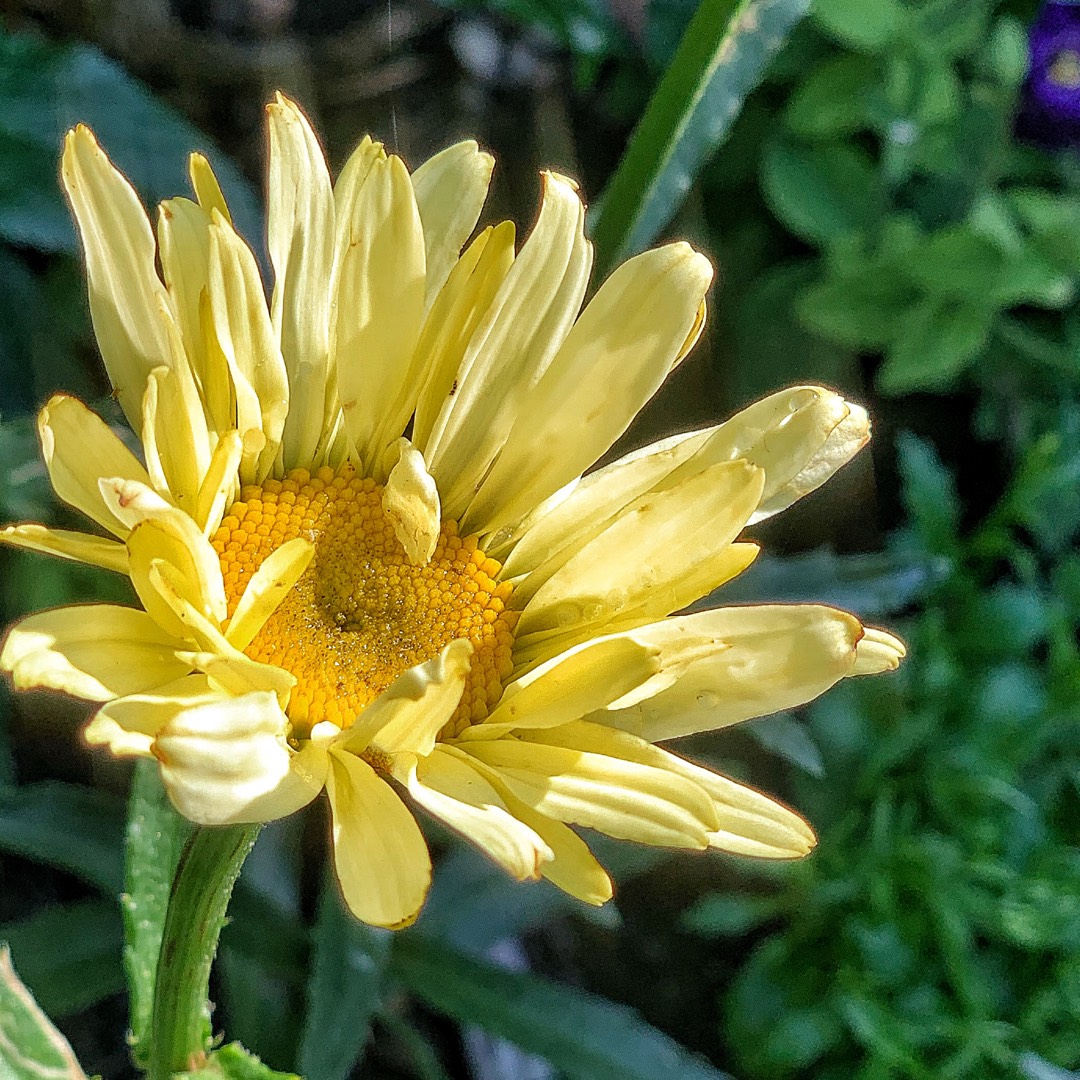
362,614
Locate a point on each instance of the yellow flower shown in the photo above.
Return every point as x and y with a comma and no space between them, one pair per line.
367,556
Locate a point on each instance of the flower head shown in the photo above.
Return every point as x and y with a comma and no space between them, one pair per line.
369,557
1050,105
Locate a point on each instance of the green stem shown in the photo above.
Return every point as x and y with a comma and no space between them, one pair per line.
180,1023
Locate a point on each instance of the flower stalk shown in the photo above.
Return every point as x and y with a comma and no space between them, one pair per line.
180,1029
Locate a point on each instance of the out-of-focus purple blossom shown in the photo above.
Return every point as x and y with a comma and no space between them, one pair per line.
1050,108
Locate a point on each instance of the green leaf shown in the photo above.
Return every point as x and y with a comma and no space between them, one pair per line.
584,1037
728,915
344,990
864,27
935,345
69,955
929,491
46,89
834,99
75,828
155,836
722,57
30,1046
785,736
233,1062
822,193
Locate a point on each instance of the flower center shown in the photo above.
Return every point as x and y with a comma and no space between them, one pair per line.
362,614
1064,69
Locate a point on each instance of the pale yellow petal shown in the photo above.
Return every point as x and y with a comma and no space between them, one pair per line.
645,564
587,677
206,187
410,712
727,665
380,856
300,214
613,360
877,651
128,725
266,588
227,762
750,823
93,651
219,486
511,347
79,448
176,540
447,787
125,292
621,798
246,337
95,550
450,191
453,319
377,310
411,501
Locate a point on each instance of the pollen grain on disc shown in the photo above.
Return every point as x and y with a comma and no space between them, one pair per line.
362,614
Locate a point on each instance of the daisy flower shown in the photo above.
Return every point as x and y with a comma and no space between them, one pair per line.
369,555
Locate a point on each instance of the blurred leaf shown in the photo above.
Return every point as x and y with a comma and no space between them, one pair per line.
861,26
344,990
785,736
30,1046
929,492
822,193
874,584
728,915
936,343
723,55
154,838
835,99
425,1062
233,1062
1034,1068
584,1037
78,829
69,954
47,88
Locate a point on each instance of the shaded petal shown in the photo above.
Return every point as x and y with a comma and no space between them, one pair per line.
527,321
227,762
408,714
450,191
246,337
127,299
301,241
380,856
93,651
727,665
220,483
647,563
621,798
613,360
206,187
448,787
587,677
377,310
411,501
95,550
79,448
266,588
453,319
750,823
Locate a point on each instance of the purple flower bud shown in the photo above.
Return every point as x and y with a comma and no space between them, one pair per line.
1050,108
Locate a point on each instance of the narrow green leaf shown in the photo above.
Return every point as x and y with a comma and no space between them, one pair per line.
69,955
155,836
30,1046
425,1062
344,990
233,1062
78,829
722,57
584,1037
